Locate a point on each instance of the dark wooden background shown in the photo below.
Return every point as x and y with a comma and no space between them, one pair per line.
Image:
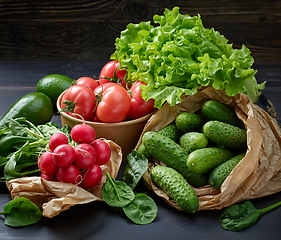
86,30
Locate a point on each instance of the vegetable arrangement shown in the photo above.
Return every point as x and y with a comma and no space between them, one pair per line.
199,155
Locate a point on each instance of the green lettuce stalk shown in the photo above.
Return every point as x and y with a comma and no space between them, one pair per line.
179,55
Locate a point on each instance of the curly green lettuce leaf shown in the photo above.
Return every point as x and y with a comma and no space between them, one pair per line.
179,55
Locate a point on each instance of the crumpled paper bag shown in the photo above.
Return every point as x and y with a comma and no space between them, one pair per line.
259,172
56,197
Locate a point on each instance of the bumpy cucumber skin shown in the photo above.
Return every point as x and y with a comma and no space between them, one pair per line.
176,187
225,134
188,122
173,155
171,131
193,140
220,173
205,160
216,110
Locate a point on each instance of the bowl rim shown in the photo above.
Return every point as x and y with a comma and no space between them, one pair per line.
128,122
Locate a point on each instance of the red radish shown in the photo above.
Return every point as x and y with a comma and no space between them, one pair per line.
83,133
57,139
49,177
85,156
69,174
64,155
46,164
103,151
91,177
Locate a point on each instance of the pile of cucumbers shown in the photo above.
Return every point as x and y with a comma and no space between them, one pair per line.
198,149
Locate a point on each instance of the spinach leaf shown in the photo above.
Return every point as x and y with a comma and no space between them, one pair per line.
116,193
240,216
135,168
142,210
21,212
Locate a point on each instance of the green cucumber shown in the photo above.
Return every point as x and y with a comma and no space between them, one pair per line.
193,140
220,173
188,122
216,110
176,187
205,160
36,107
225,134
171,131
173,155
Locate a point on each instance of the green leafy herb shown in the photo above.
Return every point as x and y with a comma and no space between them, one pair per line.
142,210
20,144
179,55
135,168
21,212
116,193
240,216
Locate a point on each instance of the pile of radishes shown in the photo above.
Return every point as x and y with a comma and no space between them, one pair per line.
79,164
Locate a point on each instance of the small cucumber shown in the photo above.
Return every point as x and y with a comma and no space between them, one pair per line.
173,155
205,160
216,110
220,173
188,122
171,131
225,134
193,140
36,107
176,187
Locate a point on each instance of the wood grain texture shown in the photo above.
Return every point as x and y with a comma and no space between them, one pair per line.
86,30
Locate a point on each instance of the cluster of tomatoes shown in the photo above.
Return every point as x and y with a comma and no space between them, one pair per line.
79,164
108,100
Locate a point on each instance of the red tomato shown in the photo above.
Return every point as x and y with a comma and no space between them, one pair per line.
114,105
111,73
139,107
83,101
102,87
88,82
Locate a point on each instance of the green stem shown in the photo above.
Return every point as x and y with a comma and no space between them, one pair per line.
113,184
270,207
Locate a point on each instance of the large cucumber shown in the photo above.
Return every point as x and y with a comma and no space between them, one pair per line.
220,173
173,155
193,140
225,134
216,110
205,160
176,187
35,107
171,131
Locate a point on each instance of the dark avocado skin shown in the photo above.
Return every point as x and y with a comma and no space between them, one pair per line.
36,107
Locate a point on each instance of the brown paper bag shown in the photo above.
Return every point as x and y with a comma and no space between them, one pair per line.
56,197
259,172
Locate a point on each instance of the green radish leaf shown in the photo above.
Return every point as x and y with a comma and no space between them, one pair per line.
135,168
142,210
21,212
116,193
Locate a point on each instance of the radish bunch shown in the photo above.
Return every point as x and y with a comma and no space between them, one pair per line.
79,164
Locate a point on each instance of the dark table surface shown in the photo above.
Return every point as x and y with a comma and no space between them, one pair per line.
98,221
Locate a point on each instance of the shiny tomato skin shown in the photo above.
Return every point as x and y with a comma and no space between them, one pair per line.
88,82
85,100
108,71
139,107
114,106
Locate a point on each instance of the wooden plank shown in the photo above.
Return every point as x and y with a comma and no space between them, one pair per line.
86,30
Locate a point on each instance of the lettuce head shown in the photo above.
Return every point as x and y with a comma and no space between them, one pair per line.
177,54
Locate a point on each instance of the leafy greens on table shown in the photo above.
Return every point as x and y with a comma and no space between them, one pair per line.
180,55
